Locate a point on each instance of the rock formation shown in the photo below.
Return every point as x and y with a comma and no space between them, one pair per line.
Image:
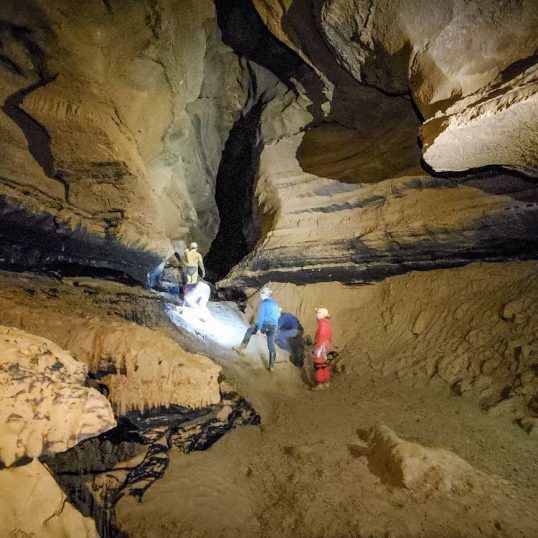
374,157
473,94
45,407
139,367
112,155
412,466
355,181
34,505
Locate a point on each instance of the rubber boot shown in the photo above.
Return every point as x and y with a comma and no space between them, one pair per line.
240,348
272,359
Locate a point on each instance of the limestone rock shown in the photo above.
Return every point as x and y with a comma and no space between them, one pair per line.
45,407
32,504
478,97
363,227
112,155
415,467
494,126
141,368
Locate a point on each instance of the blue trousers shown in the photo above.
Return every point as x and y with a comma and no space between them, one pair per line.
268,330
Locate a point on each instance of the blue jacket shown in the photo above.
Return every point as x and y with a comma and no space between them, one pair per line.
268,313
288,322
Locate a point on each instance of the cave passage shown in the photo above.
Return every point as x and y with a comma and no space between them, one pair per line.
240,220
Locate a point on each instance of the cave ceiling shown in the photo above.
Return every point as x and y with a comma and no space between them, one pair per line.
361,138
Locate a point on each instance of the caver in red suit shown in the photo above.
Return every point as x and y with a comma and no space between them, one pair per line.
324,334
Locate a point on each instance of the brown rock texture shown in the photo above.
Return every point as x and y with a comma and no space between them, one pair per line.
474,92
474,328
141,368
345,196
111,144
45,407
361,222
415,467
34,505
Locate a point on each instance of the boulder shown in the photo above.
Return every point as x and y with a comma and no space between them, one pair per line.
32,504
415,467
44,406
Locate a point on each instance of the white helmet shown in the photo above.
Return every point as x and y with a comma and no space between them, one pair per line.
194,245
322,313
266,292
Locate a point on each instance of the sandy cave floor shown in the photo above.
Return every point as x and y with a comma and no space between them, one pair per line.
303,472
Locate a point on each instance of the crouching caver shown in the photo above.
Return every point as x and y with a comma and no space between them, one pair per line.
323,345
267,323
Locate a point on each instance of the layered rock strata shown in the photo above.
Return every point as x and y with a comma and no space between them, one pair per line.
139,368
473,94
356,224
127,461
111,155
348,198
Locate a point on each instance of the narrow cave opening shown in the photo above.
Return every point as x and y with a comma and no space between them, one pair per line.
240,219
241,223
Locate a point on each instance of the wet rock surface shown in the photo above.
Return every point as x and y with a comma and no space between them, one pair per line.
128,460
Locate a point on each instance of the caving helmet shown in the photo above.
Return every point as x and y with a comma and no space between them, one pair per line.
266,292
194,245
322,313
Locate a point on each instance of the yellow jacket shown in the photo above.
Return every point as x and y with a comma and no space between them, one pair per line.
194,259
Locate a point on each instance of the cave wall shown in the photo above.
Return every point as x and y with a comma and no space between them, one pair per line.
368,115
113,120
469,67
351,193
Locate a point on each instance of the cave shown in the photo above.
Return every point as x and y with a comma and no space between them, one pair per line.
240,221
360,178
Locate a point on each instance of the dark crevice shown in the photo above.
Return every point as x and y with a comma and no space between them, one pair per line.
240,220
36,135
36,241
244,31
152,435
478,172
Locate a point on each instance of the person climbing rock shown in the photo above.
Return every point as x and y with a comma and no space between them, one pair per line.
322,346
267,323
192,261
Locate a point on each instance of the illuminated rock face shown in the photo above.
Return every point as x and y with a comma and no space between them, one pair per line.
113,121
350,198
45,406
141,368
478,96
113,146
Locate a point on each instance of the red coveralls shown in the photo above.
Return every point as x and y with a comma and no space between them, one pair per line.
324,335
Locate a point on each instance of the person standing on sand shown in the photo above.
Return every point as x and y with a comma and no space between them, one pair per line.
267,323
323,345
